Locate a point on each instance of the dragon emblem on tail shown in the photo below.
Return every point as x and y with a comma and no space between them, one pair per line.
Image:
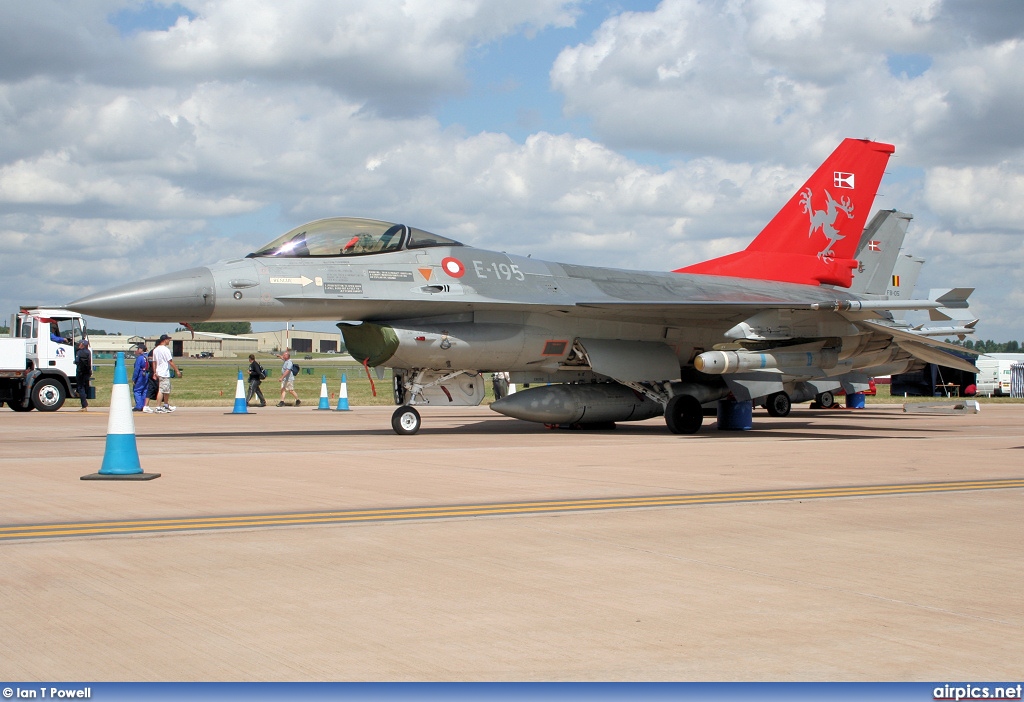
826,220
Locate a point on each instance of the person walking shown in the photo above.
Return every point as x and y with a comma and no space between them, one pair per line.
256,376
83,371
288,380
164,362
499,383
140,378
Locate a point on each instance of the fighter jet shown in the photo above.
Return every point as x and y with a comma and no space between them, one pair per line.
605,345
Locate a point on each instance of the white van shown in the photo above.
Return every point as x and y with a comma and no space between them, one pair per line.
994,373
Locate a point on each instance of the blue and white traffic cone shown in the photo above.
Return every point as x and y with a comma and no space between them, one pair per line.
325,404
121,455
241,406
342,396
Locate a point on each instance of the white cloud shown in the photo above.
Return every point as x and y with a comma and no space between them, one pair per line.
127,157
397,57
762,77
55,180
975,198
56,37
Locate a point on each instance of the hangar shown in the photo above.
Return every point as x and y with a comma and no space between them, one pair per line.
183,344
299,341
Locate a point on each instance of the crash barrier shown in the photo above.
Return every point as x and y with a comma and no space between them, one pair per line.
735,415
120,454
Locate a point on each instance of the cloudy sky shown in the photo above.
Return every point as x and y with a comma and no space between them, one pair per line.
142,137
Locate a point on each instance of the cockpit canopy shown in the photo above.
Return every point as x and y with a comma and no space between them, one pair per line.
349,236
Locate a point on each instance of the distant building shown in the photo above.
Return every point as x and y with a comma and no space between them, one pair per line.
210,343
110,344
298,341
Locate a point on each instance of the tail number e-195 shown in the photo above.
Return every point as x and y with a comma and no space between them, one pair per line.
501,271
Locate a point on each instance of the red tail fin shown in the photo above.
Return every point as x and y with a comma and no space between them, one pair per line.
813,238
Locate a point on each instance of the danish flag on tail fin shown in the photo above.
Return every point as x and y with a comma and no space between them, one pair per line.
812,240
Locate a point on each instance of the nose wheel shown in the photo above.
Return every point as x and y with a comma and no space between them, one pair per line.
405,420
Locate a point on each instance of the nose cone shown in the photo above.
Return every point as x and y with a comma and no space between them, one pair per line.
184,296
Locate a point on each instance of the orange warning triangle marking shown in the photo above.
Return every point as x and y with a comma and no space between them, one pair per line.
425,272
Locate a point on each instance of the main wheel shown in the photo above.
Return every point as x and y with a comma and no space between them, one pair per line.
405,420
683,415
778,404
826,400
48,395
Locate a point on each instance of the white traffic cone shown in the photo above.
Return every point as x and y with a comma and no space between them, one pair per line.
241,406
325,403
121,455
342,396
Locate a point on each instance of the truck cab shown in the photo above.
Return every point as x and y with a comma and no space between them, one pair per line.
37,360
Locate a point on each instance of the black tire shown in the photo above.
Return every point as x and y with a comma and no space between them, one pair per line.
48,395
778,404
826,400
16,406
684,415
405,421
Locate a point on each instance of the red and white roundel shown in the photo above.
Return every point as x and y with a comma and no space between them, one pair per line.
453,267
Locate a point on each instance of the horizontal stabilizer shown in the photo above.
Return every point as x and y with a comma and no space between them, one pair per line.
939,358
924,348
901,335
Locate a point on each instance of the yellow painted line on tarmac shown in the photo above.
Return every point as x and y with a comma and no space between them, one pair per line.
35,531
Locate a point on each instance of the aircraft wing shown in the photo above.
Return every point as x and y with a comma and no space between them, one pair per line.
922,347
744,306
673,312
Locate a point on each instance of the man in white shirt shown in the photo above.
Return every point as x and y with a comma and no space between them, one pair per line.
288,379
163,360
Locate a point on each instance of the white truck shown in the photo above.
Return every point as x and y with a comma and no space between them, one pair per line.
994,373
37,359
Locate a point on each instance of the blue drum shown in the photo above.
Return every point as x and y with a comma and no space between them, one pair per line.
734,415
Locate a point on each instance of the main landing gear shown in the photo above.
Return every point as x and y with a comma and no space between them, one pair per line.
683,414
778,404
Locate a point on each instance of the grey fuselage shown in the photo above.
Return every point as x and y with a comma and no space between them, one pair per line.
462,307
